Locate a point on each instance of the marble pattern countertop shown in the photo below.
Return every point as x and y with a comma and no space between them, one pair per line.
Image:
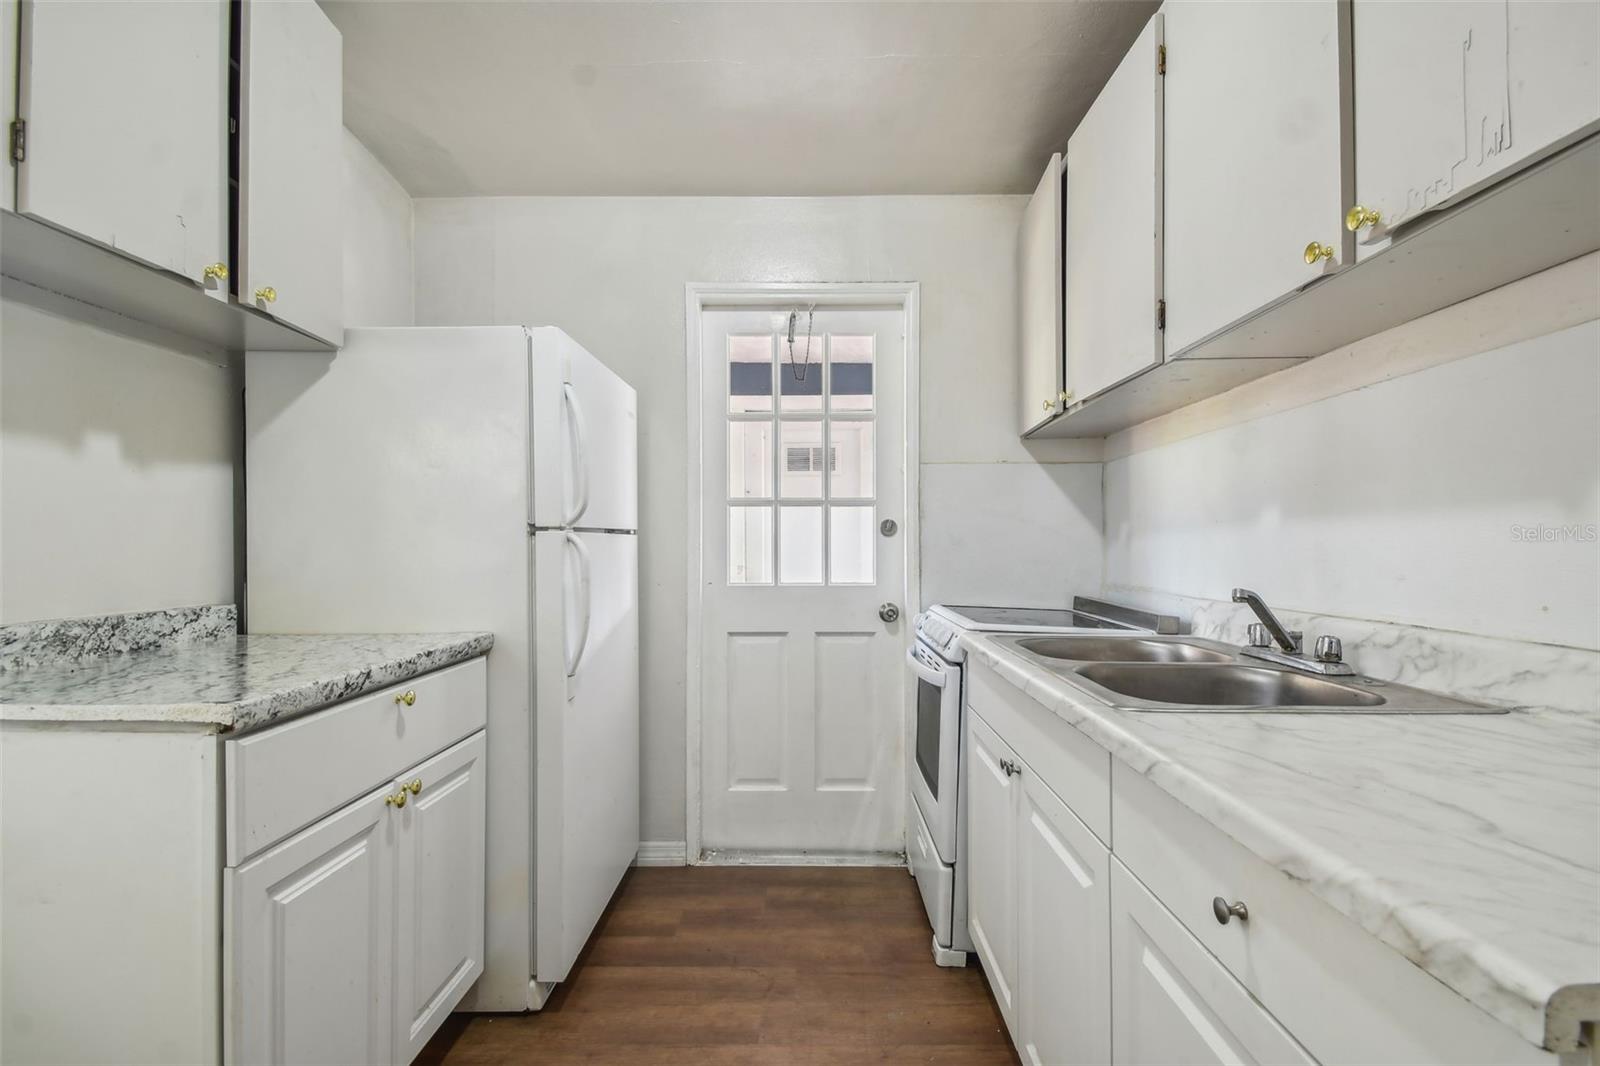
234,683
1468,843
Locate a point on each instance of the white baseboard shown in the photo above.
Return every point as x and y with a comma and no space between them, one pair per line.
662,853
802,858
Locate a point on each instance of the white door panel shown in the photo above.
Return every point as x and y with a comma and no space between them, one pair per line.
127,109
801,732
586,422
587,750
439,911
309,943
291,170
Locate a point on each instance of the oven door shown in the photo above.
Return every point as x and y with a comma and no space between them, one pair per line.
936,745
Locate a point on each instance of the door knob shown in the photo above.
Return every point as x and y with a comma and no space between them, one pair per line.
889,612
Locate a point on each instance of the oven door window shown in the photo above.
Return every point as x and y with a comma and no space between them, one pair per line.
930,708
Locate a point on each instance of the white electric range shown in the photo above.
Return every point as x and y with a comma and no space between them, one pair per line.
935,824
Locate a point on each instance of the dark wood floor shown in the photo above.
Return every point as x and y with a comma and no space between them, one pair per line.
709,966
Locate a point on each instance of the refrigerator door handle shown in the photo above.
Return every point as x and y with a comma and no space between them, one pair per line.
575,654
580,456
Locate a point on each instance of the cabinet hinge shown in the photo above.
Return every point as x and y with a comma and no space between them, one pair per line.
1161,59
19,140
1161,314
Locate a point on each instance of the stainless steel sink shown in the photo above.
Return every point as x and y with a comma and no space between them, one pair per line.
1226,686
1237,687
1119,650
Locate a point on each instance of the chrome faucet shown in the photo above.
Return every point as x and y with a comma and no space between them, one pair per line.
1290,642
1329,658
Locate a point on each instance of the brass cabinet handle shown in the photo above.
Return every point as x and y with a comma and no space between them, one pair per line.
267,294
408,697
396,800
1359,216
215,272
415,786
1225,911
1049,405
1315,251
1066,395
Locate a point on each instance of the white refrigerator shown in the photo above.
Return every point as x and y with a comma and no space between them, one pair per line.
484,478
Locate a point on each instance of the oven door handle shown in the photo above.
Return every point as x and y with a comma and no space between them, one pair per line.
936,678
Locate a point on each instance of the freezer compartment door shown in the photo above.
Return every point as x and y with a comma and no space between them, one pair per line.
587,721
584,439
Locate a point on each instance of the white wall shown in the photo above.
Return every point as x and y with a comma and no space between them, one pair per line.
377,241
116,466
1394,481
611,271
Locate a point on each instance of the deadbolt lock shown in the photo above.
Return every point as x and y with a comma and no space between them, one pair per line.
888,527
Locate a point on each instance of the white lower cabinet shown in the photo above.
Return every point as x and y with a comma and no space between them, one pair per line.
439,913
1063,940
351,941
1036,907
309,939
1172,1001
992,862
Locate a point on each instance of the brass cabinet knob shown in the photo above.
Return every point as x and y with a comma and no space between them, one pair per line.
1049,405
215,272
267,294
1066,395
396,800
1315,251
415,786
408,697
1359,216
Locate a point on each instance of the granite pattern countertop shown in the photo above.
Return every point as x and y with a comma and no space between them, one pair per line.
232,683
1468,843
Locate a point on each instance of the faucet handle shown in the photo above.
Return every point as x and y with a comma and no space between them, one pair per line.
1256,635
1330,649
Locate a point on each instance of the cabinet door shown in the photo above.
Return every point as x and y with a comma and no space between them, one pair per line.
1256,129
1172,1001
126,103
308,943
1063,934
291,167
1451,94
991,862
1039,311
1113,236
439,916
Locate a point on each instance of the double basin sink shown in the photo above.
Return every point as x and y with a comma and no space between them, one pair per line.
1139,673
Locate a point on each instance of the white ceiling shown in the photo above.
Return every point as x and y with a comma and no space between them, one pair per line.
463,98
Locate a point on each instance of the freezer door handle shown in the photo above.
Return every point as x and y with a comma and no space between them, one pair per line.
580,456
575,653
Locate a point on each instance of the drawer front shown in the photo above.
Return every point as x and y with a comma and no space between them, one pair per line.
1171,1001
286,777
1073,766
1344,994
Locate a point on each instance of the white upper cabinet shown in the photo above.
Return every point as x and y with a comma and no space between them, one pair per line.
125,106
291,167
1451,94
1256,130
1113,229
1039,265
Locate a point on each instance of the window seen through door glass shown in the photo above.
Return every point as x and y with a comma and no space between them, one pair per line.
800,375
853,460
750,545
801,476
750,460
850,368
750,373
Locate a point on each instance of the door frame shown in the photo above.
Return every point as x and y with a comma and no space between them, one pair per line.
698,298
